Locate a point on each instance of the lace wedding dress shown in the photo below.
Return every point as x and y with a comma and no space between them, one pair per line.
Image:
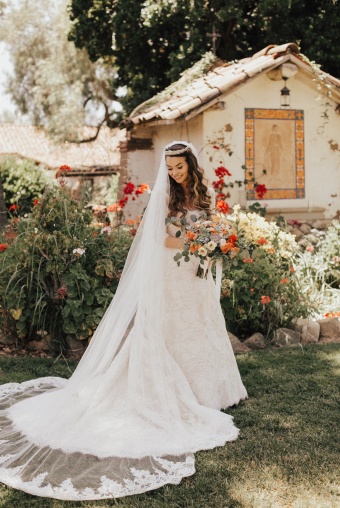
146,394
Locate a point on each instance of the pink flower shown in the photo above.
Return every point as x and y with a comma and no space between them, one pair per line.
310,248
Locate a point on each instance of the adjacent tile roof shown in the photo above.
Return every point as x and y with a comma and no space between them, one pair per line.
31,142
190,97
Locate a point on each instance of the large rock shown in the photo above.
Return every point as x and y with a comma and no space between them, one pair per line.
76,347
256,341
309,329
286,337
237,345
329,328
305,228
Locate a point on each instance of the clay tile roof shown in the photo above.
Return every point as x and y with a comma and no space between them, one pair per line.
192,94
31,142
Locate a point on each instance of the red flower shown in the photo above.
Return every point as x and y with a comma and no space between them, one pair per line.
61,293
3,247
221,171
216,147
220,195
218,184
262,241
65,168
129,188
222,206
248,260
13,208
35,202
260,190
284,281
122,202
265,299
232,238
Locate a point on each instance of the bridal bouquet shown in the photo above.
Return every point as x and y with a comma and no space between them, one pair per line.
209,239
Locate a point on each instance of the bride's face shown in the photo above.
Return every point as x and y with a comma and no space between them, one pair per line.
178,169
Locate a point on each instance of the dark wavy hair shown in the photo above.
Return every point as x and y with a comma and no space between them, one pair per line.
198,190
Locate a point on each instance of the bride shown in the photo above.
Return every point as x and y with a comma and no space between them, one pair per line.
148,391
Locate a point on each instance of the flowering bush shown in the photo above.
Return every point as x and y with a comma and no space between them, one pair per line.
23,181
59,269
318,268
260,288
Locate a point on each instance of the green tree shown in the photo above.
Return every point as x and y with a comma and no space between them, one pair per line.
151,43
54,84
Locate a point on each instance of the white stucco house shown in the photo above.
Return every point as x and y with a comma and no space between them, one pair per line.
233,114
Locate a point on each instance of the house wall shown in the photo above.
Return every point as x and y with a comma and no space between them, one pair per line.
322,163
143,165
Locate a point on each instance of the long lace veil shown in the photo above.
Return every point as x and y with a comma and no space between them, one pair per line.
127,420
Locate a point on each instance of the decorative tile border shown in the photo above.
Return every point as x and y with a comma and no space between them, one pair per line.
297,173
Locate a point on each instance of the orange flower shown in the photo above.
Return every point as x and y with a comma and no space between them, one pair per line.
222,206
130,222
191,236
292,269
248,260
193,248
265,299
114,208
252,290
332,314
262,241
227,247
284,281
271,250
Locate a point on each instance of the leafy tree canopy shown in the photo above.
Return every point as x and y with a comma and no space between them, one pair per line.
54,84
151,43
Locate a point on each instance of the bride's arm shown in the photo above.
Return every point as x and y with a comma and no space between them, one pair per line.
174,243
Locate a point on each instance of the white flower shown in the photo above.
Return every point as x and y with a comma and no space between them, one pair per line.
106,229
223,242
211,245
202,251
237,208
79,252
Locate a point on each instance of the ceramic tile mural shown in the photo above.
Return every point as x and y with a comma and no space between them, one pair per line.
274,152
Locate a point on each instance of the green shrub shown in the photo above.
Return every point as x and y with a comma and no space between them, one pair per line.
318,268
260,290
23,181
60,269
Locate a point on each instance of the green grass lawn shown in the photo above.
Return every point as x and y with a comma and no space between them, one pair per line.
287,454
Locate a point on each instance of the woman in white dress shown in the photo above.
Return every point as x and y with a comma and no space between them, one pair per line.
148,391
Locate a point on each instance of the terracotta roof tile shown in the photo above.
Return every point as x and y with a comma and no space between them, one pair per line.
184,97
31,142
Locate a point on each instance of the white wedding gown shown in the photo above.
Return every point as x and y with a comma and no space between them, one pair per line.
137,408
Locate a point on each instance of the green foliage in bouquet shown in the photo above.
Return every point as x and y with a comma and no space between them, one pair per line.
59,269
23,181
